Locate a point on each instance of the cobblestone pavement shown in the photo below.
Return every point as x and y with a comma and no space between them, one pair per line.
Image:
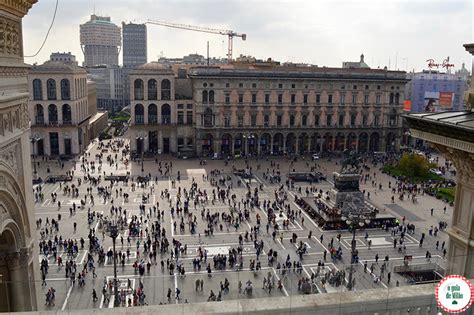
156,282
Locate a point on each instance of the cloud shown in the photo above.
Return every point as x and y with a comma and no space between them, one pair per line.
315,31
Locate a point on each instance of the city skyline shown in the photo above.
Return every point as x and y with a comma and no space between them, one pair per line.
303,31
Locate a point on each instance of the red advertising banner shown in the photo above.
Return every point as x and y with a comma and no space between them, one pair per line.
446,99
407,105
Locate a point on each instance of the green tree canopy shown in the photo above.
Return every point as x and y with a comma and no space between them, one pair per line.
414,166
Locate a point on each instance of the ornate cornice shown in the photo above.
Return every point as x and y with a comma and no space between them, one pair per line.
17,7
445,130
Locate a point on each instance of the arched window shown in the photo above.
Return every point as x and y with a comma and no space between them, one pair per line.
37,90
353,120
391,99
392,118
316,120
341,120
139,114
165,114
65,89
397,99
165,90
39,114
205,97
304,120
51,89
211,97
152,114
292,120
208,117
152,90
138,88
266,120
67,116
52,114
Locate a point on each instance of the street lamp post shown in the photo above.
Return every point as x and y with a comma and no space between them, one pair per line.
354,220
113,232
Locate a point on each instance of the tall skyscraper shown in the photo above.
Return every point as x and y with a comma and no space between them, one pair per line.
134,44
100,41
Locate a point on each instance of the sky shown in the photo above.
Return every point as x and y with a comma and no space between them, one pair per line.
399,34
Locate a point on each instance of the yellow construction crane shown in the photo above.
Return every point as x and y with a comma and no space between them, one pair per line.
230,34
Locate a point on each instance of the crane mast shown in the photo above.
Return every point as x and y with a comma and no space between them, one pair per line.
229,33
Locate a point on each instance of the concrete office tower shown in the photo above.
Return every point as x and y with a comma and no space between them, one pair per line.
134,44
100,41
18,243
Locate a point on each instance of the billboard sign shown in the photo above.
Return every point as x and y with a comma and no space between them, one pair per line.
446,100
407,105
431,101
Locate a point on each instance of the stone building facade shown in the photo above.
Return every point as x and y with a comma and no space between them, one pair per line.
62,115
162,110
268,108
18,247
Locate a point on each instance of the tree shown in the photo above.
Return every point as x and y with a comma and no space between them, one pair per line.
414,166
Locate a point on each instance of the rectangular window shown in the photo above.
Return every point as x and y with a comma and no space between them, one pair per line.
240,121
280,98
227,98
305,99
266,120
241,85
279,120
330,99
189,118
180,117
254,85
354,99
376,120
366,100
253,119
318,98
353,120
241,98
341,120
293,98
377,99
180,142
280,86
227,85
293,85
343,99
254,98
354,87
364,120
267,98
227,121
378,87
189,106
180,106
328,120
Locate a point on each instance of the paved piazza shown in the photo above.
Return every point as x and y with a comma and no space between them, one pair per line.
157,282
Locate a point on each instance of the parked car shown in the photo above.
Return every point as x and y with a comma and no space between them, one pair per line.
315,157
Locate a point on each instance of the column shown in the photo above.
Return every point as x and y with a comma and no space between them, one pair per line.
333,145
297,145
357,144
309,144
232,148
284,143
259,149
246,141
217,146
160,141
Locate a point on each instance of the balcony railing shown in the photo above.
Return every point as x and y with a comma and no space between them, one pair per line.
153,120
39,120
165,119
